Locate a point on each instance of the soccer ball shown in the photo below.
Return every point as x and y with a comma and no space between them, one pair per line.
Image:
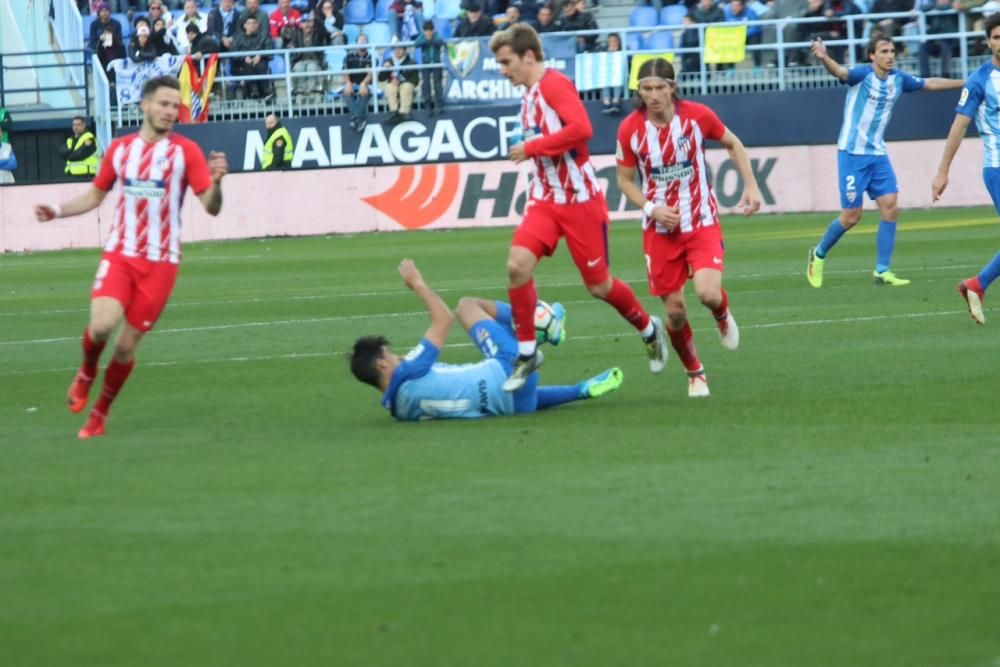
547,325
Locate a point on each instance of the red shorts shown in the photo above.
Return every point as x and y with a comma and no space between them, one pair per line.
672,258
142,287
585,227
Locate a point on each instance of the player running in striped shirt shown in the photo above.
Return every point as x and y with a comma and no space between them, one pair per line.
664,140
980,100
862,163
564,200
153,168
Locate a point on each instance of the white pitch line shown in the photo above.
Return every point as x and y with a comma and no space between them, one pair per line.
340,353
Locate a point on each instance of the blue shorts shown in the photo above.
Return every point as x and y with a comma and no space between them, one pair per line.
496,341
991,179
858,174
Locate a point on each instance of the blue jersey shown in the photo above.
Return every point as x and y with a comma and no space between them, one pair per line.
420,388
869,106
979,101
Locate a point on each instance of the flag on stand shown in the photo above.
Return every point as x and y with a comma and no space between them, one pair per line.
195,89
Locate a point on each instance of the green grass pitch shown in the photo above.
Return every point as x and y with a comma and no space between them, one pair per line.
835,502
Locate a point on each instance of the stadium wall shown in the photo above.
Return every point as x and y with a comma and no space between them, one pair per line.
464,195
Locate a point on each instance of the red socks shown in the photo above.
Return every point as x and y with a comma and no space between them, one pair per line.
720,312
684,346
114,378
91,353
523,300
622,298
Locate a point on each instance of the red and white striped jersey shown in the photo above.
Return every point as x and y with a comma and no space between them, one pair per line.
152,180
556,129
671,161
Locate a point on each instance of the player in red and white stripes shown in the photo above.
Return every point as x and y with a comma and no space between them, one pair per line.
153,168
664,140
564,200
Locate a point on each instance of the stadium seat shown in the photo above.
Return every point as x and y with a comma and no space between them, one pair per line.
335,60
634,41
351,32
429,9
443,27
382,10
87,20
673,15
660,40
643,17
269,8
276,65
359,12
378,33
126,27
448,9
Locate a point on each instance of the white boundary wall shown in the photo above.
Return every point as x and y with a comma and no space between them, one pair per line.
295,203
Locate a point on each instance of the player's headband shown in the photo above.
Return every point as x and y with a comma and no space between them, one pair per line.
656,79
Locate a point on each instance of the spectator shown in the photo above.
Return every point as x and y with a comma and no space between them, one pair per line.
510,17
253,40
106,39
836,9
141,48
309,34
938,23
80,151
222,23
285,15
574,18
8,163
474,23
399,83
331,20
163,39
278,149
609,96
737,12
191,17
253,9
201,44
356,83
545,23
431,47
890,27
707,11
156,11
690,39
6,122
528,9
405,18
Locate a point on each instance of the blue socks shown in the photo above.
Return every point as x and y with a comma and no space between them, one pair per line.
549,397
885,241
990,272
833,234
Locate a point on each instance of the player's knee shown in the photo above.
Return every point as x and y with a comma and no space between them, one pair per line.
517,271
850,217
466,305
889,212
101,328
676,319
600,290
710,297
124,352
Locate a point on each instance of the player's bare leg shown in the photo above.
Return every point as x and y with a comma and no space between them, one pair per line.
121,365
105,314
708,287
521,264
682,340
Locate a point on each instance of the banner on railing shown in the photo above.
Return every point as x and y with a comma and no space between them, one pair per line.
131,76
725,44
474,74
595,71
637,62
195,89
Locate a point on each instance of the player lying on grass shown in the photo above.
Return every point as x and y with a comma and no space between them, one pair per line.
416,387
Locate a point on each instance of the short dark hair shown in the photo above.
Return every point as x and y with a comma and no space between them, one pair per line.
367,350
991,22
428,25
473,7
158,82
192,29
876,39
81,119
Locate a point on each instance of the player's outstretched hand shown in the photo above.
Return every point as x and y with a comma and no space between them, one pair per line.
410,274
217,166
938,186
818,48
46,212
750,202
517,154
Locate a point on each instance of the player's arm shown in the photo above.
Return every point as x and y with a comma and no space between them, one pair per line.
87,201
576,129
818,49
441,317
751,199
211,197
934,84
668,217
955,136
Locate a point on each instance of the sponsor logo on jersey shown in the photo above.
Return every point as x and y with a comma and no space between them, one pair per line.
673,172
150,189
964,97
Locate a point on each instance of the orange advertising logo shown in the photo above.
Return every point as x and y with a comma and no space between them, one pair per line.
416,206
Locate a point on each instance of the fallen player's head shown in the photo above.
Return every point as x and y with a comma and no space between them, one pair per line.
372,361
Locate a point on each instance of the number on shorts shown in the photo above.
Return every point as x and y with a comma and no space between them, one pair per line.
102,273
850,182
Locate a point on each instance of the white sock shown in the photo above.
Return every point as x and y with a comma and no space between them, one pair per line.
526,348
648,331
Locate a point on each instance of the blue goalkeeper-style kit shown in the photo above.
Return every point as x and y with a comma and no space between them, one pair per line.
862,163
